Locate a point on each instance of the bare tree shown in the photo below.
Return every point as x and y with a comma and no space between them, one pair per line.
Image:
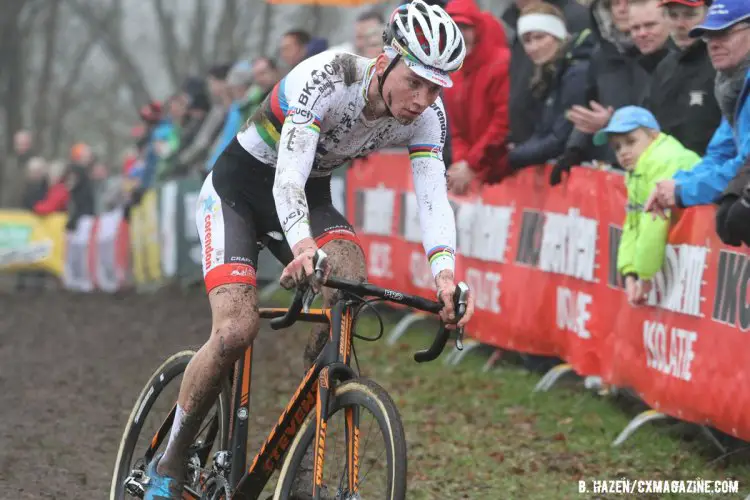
173,56
108,30
12,78
198,30
66,100
41,107
224,49
265,26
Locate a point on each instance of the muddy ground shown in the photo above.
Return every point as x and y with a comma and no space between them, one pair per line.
72,365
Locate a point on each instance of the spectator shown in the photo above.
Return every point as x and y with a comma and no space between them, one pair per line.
315,46
57,196
160,136
648,156
620,72
726,31
23,147
237,84
167,136
477,104
293,47
78,182
23,150
522,68
199,104
561,64
196,151
681,95
265,76
36,182
35,189
368,34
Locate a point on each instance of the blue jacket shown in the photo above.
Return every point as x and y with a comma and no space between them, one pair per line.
151,160
727,152
232,125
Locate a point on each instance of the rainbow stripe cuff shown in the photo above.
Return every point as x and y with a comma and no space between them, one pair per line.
315,125
441,258
424,151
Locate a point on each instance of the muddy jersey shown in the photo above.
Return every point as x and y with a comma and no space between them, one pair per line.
313,122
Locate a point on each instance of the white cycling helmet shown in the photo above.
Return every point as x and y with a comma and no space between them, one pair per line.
428,39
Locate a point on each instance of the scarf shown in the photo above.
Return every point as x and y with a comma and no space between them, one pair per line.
728,86
607,29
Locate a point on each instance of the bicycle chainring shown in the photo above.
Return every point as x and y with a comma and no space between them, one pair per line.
217,488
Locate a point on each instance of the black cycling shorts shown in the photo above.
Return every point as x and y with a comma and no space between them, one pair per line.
236,216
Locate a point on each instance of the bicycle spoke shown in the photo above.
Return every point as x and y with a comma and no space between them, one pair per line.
362,481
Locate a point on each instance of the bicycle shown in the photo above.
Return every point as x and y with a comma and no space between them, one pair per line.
329,386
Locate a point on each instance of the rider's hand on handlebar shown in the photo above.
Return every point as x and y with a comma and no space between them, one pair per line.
301,268
446,288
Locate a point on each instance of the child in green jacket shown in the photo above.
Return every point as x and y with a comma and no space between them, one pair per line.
648,156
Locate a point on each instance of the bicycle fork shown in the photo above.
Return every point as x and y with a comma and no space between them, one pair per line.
351,434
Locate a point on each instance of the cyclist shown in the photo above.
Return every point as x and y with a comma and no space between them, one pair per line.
329,109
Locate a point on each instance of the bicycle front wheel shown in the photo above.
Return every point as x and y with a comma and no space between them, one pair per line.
381,448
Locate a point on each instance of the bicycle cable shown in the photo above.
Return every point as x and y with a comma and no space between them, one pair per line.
362,304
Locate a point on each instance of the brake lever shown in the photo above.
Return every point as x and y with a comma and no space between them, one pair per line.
460,299
308,299
319,263
320,259
459,339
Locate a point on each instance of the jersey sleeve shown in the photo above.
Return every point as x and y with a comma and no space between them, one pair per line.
300,102
436,218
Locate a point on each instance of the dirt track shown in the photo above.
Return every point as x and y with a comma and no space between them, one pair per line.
71,367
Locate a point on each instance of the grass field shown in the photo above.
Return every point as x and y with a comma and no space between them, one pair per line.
474,435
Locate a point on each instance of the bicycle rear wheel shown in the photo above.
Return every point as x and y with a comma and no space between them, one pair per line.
137,437
385,429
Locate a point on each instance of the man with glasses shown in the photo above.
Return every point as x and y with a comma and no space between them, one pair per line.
681,94
726,32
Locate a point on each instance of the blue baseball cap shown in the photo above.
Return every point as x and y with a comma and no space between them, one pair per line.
722,15
626,119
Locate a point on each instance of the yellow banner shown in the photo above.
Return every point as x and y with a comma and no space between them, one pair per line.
29,241
144,240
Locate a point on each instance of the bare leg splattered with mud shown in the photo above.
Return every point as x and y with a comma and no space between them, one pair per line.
234,310
348,262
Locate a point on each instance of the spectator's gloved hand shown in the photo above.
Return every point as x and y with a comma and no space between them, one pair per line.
722,221
733,219
567,160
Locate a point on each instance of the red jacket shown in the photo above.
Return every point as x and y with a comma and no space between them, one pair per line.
55,201
477,104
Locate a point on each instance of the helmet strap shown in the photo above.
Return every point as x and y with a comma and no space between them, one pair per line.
381,81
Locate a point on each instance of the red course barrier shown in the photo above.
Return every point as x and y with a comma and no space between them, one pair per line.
542,264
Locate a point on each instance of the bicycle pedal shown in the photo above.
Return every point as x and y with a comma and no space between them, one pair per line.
135,484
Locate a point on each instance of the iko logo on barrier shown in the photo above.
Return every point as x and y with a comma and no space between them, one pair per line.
559,243
731,304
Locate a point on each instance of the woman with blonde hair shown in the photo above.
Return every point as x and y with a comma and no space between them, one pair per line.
561,63
57,194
